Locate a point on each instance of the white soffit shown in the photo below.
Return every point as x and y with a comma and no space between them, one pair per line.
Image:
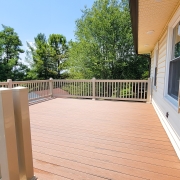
153,17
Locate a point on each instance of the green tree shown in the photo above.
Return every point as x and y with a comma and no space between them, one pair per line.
104,44
10,50
47,58
40,55
59,44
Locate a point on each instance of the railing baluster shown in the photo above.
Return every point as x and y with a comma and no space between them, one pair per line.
43,88
81,88
141,90
104,88
71,89
132,88
107,89
87,88
112,90
45,84
90,89
144,89
138,90
123,89
115,91
99,89
135,91
32,88
126,89
74,88
36,89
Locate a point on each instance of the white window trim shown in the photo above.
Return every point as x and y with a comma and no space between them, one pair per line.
174,21
156,57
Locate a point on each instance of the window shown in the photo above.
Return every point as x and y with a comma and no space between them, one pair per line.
155,66
174,69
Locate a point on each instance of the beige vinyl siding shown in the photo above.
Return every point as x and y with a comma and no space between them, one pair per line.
158,92
161,65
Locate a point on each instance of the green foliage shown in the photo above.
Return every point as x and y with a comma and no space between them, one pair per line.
47,57
104,44
10,50
42,55
58,43
126,91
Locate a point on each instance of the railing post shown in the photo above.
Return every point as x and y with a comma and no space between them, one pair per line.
8,143
149,91
9,83
23,132
51,86
94,88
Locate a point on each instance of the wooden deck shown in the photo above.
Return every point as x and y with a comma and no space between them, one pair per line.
100,140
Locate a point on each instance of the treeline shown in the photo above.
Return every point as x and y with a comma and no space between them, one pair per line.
103,49
45,58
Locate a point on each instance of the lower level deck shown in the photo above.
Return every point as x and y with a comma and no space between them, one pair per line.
100,140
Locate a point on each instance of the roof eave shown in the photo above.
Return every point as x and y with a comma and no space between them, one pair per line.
134,5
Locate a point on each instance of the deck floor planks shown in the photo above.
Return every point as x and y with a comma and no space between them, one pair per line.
85,139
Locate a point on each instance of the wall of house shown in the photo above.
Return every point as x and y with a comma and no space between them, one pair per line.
161,104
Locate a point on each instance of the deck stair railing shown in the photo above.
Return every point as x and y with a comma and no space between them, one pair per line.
133,90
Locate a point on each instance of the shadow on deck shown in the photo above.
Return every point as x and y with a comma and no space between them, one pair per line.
98,140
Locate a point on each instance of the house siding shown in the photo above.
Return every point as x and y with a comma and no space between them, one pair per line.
158,93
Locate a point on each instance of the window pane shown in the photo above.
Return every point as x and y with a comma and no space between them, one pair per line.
155,76
176,43
174,76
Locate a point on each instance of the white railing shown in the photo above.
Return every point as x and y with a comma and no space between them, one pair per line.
73,88
36,89
134,90
4,84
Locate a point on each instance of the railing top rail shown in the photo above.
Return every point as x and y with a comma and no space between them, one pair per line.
4,83
100,80
32,81
97,80
71,80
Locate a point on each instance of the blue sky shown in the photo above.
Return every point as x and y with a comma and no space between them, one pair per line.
30,17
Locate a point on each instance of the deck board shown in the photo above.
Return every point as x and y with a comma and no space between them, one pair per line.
98,140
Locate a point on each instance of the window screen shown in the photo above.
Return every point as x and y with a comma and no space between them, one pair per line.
174,70
155,76
174,75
